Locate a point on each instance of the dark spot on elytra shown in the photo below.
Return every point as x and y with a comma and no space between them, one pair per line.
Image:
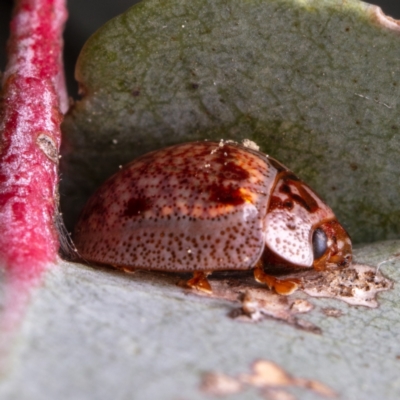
137,206
226,195
235,172
227,159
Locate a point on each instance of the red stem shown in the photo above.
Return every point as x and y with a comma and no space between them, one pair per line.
32,99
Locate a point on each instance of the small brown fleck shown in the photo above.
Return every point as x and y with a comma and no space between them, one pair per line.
353,166
136,92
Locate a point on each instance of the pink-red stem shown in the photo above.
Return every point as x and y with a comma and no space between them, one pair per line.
32,101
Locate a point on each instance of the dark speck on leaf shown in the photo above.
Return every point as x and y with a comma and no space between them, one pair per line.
136,92
353,166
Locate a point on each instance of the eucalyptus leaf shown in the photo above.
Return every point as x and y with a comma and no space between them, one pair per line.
315,83
96,333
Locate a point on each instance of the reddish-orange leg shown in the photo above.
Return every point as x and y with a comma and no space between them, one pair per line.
281,286
200,282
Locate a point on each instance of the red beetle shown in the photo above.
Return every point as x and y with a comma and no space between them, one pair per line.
208,206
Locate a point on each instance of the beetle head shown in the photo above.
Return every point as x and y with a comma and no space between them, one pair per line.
331,246
301,230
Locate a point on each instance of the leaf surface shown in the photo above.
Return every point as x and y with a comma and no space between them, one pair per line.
94,333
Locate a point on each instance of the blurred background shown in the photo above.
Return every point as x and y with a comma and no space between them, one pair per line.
86,16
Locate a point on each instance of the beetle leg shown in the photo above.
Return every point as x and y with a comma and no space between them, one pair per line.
127,270
281,286
200,282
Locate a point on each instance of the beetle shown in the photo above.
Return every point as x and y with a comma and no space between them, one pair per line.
207,206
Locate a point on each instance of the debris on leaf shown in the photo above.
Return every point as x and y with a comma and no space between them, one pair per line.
277,394
220,384
301,306
332,312
357,285
258,302
266,373
270,378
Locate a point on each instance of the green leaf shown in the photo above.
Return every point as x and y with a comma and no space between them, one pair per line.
314,83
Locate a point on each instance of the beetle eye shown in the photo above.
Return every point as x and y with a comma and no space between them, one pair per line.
320,243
